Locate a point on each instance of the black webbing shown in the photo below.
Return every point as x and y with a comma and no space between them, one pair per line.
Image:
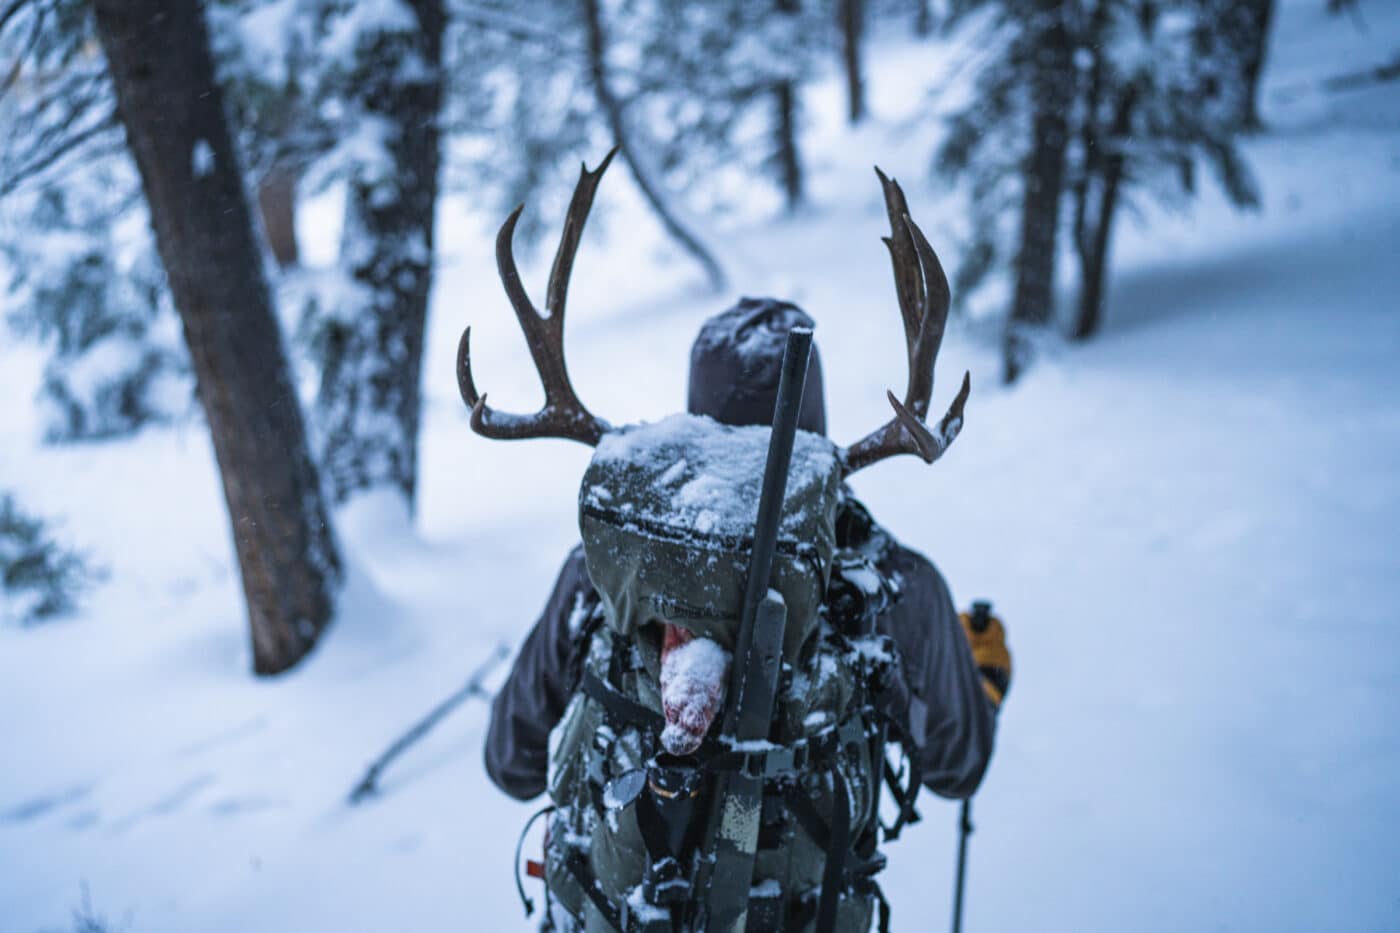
619,705
907,794
576,866
882,904
834,876
811,821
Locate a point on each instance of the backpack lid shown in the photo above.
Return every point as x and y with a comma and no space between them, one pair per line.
667,514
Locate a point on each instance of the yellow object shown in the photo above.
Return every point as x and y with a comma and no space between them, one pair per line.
991,656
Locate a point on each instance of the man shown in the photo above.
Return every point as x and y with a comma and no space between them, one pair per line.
946,696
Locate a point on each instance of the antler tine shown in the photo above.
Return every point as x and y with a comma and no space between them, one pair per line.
908,282
563,415
924,298
924,347
558,289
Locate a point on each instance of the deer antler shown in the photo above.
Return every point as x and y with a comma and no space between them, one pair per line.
923,294
563,415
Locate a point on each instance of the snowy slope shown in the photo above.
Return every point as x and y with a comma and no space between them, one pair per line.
1189,525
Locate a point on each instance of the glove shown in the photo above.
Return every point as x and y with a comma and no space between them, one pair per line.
989,651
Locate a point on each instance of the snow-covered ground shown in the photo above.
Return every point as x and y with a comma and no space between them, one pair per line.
1189,524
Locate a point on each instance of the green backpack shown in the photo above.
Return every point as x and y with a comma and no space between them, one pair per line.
666,513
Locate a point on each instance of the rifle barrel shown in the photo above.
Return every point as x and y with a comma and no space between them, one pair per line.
791,383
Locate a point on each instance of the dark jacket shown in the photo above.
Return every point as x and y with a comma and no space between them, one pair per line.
940,697
734,369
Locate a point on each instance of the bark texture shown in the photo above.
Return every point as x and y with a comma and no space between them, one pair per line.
173,111
370,396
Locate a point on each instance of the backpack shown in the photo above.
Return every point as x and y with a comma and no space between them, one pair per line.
666,513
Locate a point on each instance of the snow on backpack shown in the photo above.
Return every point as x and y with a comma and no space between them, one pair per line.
666,511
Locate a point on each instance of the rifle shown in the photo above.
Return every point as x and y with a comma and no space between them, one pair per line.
725,870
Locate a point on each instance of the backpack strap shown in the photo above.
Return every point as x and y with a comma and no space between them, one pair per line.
577,866
907,793
839,844
618,705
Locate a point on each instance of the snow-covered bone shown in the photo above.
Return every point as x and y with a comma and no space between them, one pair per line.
693,676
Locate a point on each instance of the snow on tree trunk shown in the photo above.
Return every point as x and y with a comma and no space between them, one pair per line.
173,112
370,395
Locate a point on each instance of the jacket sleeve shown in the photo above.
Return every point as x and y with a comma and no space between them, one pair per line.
950,718
533,698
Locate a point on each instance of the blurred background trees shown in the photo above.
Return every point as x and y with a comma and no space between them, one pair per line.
1079,109
1086,105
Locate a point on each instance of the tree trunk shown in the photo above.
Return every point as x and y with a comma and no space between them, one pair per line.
277,204
785,142
1091,132
1098,204
1093,252
172,108
852,16
923,18
785,105
370,396
617,122
1052,88
1260,15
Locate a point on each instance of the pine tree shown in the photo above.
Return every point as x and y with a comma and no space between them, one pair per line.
40,579
1088,101
1162,92
632,150
115,362
722,83
66,186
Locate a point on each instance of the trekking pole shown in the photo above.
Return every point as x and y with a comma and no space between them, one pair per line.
981,618
964,830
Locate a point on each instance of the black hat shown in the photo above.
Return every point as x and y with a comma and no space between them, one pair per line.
736,360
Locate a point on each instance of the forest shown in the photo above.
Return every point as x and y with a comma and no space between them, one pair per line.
250,545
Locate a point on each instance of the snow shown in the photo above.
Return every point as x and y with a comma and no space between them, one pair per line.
1188,526
202,159
707,476
694,674
103,365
